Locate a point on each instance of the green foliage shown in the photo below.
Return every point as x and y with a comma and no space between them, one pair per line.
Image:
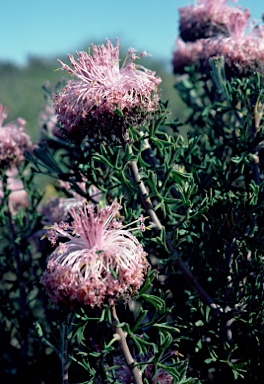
200,311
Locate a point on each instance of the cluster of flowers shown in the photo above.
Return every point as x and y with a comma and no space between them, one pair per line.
14,142
210,29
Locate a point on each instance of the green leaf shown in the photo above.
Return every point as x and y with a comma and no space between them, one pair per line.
156,301
166,327
118,111
148,282
180,177
142,345
140,317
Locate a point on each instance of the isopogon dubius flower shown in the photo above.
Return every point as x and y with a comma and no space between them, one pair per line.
57,209
243,52
17,196
101,263
206,19
13,141
105,98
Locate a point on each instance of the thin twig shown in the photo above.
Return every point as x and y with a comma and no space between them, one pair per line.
126,352
64,348
144,194
206,299
156,164
254,128
64,354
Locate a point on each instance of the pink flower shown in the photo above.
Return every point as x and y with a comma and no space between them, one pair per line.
94,193
18,197
101,88
58,209
13,141
48,122
101,263
205,19
187,54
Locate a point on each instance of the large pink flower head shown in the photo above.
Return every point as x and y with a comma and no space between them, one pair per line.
105,98
13,141
101,263
205,19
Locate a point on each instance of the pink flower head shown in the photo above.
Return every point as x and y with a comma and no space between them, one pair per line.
13,140
17,197
205,19
48,122
187,54
101,262
102,87
243,52
57,209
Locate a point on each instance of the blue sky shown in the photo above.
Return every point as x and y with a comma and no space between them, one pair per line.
46,28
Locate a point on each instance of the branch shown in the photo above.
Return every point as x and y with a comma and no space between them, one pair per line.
156,164
64,354
126,352
144,194
64,348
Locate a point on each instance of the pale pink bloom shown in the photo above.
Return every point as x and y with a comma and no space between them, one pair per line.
101,263
13,140
101,88
205,19
57,209
187,54
17,196
94,194
66,186
48,122
16,200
